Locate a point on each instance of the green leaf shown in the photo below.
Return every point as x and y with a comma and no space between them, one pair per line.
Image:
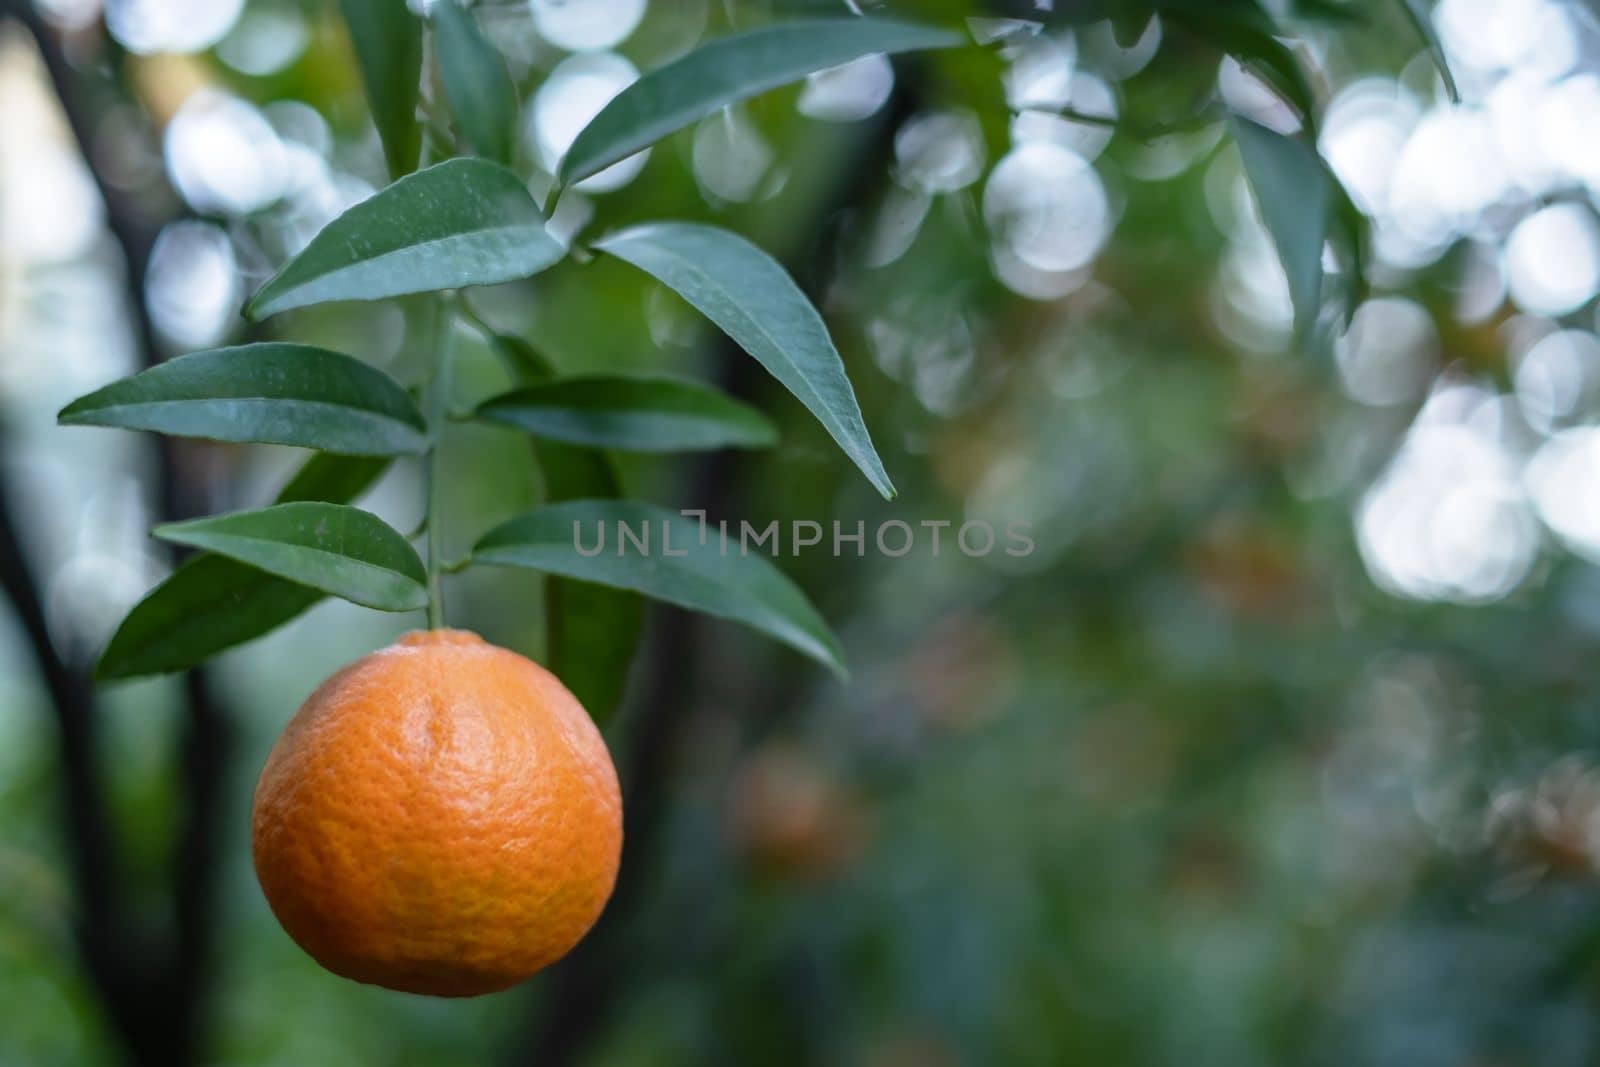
570,472
1246,13
388,45
338,479
1329,11
1350,232
525,365
728,69
477,84
210,604
745,292
274,393
1422,22
1295,194
1242,13
205,606
714,577
1275,63
1245,32
337,549
462,222
591,631
638,414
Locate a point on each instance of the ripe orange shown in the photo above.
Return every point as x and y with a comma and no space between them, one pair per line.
439,817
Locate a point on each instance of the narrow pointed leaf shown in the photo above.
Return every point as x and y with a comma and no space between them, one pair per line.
525,365
635,414
1350,232
1274,63
205,606
1422,22
1243,13
273,393
570,472
337,479
1294,192
462,222
714,577
339,550
476,83
210,604
388,44
729,69
745,292
1329,11
1248,13
1246,32
591,631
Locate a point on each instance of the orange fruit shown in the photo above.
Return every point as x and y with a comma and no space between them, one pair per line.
438,817
791,819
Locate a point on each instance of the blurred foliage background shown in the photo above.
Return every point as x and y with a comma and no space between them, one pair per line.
1279,749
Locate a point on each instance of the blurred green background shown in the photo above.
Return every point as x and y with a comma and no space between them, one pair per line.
1280,748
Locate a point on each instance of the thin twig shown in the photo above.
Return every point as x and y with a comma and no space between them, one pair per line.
438,400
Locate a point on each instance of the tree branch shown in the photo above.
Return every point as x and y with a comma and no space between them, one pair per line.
168,1030
97,924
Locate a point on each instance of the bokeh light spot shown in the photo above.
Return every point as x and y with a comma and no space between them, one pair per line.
223,155
574,93
850,92
193,285
586,25
1553,260
149,26
1046,204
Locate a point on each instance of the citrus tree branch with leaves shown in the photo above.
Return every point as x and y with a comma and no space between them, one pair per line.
456,217
469,221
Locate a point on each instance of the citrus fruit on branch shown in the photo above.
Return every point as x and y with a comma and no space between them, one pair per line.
439,817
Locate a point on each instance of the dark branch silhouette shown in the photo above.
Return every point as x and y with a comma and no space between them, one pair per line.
155,1002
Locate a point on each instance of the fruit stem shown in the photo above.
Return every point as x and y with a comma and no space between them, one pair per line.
438,400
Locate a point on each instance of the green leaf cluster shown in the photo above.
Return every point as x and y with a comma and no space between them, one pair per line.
1302,204
471,221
